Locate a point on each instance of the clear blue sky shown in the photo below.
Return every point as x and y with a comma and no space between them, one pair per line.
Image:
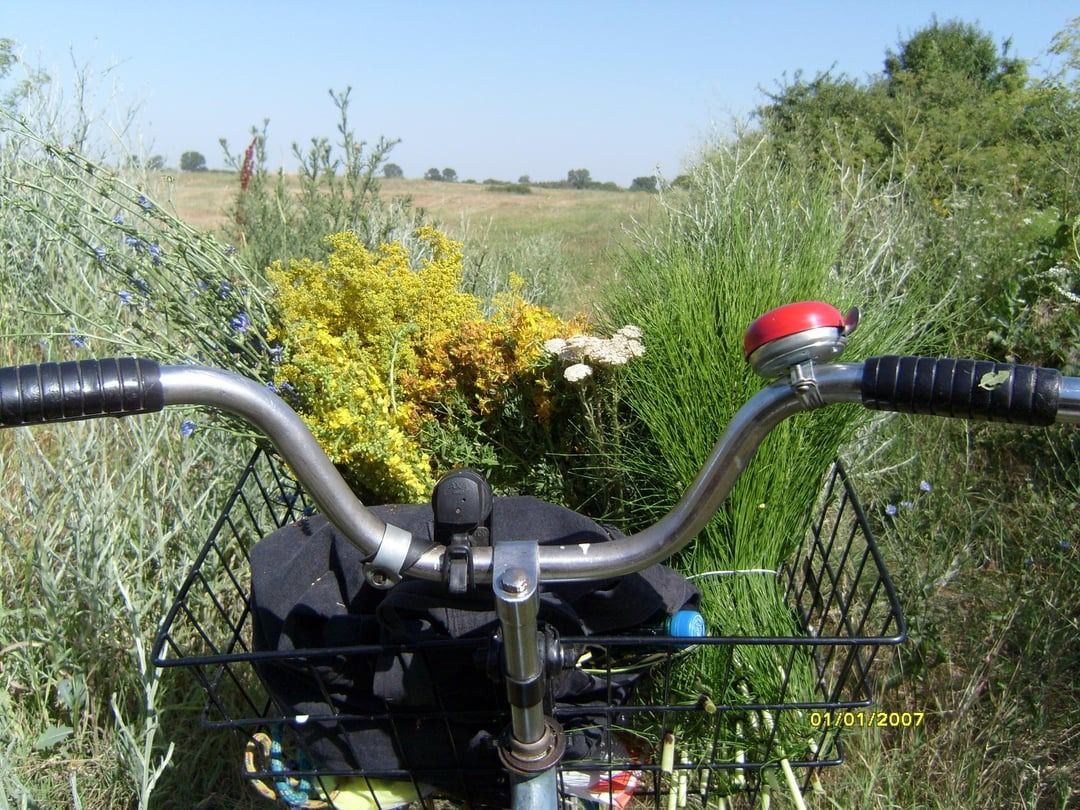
491,89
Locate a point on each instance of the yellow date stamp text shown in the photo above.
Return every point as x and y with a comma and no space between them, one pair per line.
866,719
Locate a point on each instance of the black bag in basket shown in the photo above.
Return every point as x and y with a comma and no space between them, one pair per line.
434,712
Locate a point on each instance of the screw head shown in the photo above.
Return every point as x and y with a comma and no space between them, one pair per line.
514,581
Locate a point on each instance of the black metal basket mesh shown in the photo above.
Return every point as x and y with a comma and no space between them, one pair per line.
693,724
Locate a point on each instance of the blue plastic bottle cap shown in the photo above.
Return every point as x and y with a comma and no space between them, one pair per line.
687,624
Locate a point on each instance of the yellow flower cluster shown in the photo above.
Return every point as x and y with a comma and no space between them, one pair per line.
375,345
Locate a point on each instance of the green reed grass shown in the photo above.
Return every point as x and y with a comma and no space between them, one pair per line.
750,235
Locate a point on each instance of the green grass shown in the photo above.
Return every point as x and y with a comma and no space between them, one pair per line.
991,595
100,520
749,236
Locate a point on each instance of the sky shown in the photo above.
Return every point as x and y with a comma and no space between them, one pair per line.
490,89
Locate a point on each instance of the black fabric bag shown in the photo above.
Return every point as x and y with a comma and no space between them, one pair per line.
435,709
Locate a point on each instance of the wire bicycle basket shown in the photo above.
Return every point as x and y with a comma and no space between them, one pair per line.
652,731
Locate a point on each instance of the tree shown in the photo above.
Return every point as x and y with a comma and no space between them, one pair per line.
433,174
644,183
524,180
156,163
578,178
192,162
449,175
392,170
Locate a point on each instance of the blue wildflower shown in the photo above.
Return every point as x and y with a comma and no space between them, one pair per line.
890,509
118,219
187,428
240,322
924,486
141,286
1065,545
155,253
224,290
287,498
230,250
1029,561
309,511
76,340
132,241
99,251
286,388
145,203
271,387
276,353
126,297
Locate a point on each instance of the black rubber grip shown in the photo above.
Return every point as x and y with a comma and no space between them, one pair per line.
64,392
967,389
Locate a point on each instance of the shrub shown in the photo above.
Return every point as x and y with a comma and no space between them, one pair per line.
376,349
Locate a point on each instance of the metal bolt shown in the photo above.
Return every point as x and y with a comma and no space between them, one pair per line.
514,581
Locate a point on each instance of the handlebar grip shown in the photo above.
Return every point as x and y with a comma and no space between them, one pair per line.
968,389
65,392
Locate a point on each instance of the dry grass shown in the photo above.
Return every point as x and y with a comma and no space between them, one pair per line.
589,225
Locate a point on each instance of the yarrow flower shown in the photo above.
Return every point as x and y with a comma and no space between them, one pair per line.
617,350
187,428
240,322
145,203
577,372
99,251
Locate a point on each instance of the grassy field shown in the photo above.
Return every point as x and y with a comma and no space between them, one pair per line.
581,230
986,563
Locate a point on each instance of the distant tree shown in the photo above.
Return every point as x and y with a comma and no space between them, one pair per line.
192,162
644,183
578,178
433,174
392,170
524,180
156,163
682,181
449,175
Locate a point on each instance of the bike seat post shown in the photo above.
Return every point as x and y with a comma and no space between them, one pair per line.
535,743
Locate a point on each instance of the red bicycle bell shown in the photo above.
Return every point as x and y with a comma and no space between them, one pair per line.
795,333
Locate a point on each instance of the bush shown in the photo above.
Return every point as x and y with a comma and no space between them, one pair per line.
509,188
376,351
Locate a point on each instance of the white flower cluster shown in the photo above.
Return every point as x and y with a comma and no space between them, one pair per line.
1059,277
581,350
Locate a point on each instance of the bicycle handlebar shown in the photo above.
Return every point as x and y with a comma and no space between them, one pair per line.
60,392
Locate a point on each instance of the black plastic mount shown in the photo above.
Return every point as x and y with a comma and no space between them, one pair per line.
65,392
968,389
